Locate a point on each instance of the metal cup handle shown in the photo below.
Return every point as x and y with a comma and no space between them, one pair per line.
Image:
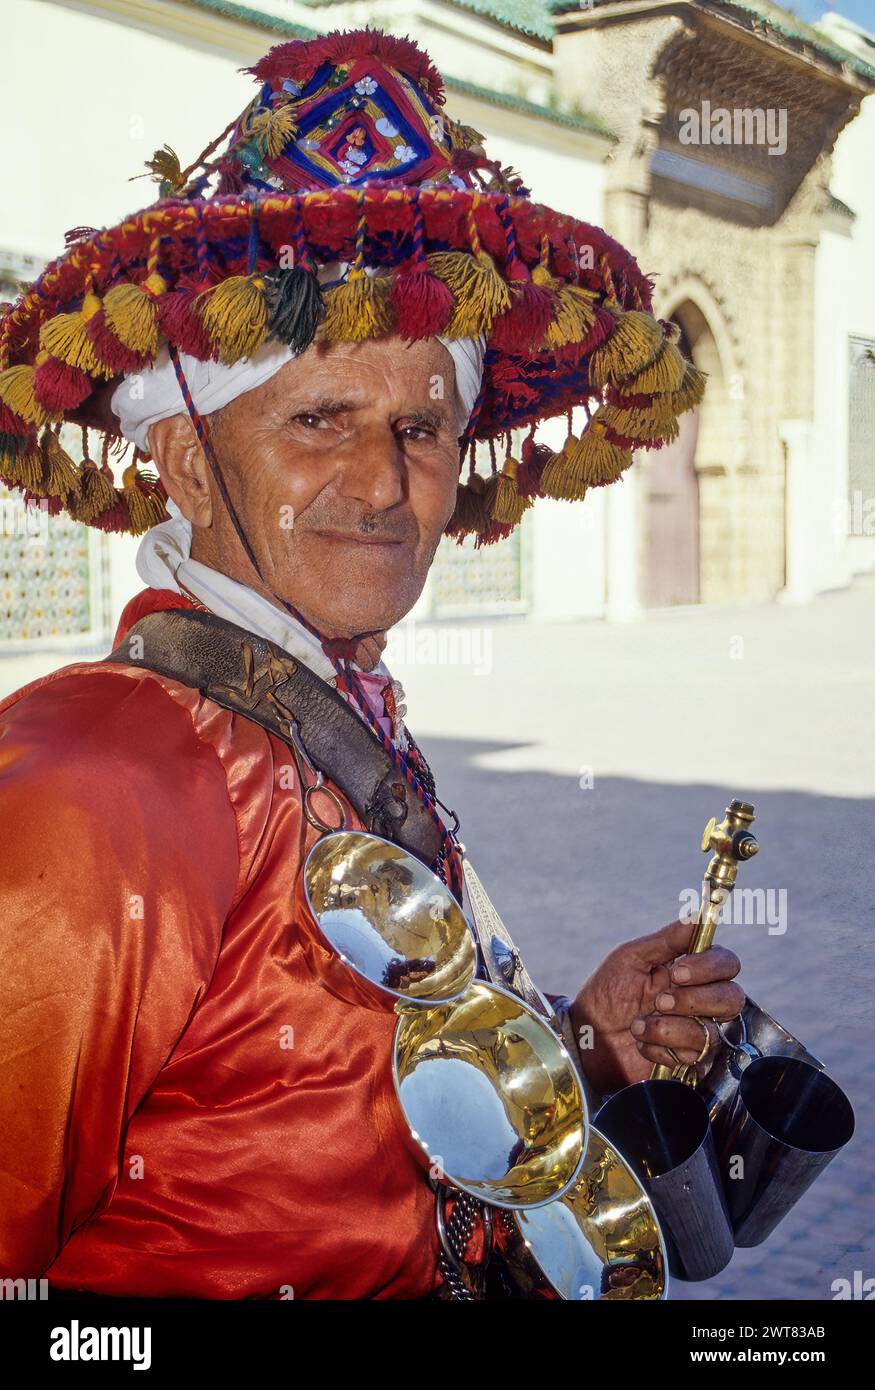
743,1047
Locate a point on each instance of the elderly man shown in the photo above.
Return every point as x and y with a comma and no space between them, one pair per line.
185,1109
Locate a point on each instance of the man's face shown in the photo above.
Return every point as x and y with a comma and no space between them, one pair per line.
343,470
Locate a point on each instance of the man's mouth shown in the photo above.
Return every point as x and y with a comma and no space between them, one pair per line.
357,538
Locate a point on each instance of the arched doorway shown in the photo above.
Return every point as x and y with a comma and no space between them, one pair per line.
673,476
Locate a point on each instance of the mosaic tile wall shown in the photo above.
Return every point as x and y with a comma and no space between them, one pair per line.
464,578
45,576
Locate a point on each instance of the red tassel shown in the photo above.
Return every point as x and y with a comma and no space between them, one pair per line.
182,325
118,358
600,332
115,518
533,459
422,304
301,58
10,423
522,328
632,446
58,387
52,505
495,531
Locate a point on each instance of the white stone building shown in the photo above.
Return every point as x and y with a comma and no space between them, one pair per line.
765,262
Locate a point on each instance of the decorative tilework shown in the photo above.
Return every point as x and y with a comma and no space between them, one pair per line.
481,580
45,577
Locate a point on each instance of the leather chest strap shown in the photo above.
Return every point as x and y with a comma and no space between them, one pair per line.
258,680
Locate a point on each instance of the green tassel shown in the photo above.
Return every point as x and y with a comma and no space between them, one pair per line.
295,306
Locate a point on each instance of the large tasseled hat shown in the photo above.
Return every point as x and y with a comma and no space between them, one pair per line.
346,157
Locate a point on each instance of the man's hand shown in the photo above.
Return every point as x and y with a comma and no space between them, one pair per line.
643,998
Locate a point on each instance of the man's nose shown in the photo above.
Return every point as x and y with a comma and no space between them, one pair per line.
372,468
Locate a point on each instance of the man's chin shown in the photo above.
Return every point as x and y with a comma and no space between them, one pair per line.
368,613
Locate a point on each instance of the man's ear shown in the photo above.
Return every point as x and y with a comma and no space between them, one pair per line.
182,467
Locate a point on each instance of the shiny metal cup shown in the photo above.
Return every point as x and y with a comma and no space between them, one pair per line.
787,1122
491,1096
601,1241
378,927
663,1131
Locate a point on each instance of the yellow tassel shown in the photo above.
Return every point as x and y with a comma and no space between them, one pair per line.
146,509
273,129
600,461
96,494
359,308
24,467
639,424
505,503
660,410
479,290
665,373
573,316
691,391
64,337
16,391
635,341
541,276
591,461
60,474
562,477
132,314
235,315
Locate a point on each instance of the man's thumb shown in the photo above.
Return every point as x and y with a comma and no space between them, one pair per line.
663,946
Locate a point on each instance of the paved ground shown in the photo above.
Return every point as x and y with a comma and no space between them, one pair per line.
662,722
672,717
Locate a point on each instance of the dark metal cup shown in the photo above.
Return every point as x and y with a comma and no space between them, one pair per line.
787,1121
662,1130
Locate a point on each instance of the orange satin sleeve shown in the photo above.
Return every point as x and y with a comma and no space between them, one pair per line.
185,1110
119,864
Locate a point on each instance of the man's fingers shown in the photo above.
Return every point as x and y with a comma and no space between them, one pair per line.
721,1001
705,967
685,1035
663,946
659,1054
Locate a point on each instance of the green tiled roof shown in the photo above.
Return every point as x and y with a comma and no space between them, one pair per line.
572,120
528,16
284,28
257,18
771,17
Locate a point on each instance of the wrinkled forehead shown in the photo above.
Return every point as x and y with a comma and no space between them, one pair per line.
387,376
440,374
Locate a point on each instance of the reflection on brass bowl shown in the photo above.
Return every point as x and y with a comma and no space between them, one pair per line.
600,1241
492,1096
397,929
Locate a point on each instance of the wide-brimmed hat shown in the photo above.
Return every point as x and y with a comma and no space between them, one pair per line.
345,157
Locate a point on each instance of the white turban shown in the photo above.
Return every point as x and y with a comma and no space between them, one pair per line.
153,394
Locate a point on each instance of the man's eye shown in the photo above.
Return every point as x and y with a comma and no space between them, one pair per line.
415,434
310,420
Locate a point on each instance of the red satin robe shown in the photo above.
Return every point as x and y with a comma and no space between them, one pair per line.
159,1135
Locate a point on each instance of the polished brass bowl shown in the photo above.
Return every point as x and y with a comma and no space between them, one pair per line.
492,1096
392,923
600,1241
